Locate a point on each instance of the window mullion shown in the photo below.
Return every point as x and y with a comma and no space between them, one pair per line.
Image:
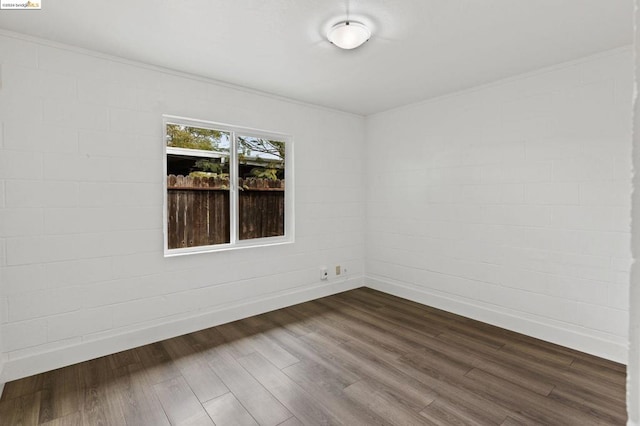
233,190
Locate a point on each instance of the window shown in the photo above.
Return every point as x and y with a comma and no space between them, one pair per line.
226,187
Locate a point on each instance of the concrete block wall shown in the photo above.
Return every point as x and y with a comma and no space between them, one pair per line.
510,203
81,251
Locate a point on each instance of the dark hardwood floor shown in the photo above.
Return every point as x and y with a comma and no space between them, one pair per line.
357,358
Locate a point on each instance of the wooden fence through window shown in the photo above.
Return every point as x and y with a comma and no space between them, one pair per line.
198,210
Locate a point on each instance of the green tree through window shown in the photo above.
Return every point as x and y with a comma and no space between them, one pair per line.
179,136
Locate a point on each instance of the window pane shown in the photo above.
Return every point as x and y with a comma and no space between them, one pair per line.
261,169
197,188
180,136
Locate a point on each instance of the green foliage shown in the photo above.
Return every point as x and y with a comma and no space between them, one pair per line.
209,175
208,168
207,165
263,173
180,136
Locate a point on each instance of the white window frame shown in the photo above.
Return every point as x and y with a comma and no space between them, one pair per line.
235,242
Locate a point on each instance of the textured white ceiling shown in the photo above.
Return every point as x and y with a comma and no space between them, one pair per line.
419,48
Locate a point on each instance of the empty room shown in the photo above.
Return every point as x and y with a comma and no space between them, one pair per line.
345,212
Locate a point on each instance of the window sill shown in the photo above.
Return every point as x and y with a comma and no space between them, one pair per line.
264,242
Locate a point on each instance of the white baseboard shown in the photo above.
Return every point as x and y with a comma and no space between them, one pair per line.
2,364
41,362
538,328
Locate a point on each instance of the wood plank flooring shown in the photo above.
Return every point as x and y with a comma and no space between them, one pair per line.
356,358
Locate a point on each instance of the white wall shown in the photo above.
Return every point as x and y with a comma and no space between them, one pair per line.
510,203
81,250
507,203
2,312
633,367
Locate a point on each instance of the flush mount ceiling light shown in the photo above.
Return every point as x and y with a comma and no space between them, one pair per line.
348,34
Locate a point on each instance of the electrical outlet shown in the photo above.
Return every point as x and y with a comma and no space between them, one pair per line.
338,270
324,275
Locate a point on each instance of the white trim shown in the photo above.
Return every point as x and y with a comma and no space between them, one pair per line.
163,146
264,242
553,333
225,127
234,204
3,363
41,362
